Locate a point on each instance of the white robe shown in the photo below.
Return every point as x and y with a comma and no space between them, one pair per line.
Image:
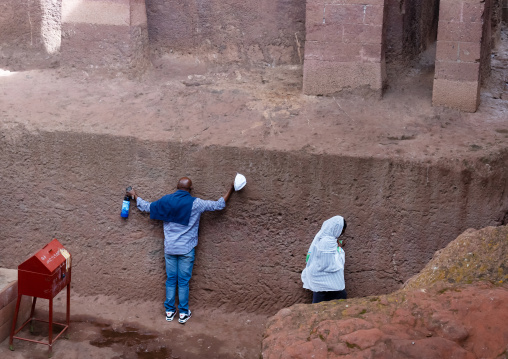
324,271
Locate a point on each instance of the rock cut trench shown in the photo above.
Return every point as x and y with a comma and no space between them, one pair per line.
249,258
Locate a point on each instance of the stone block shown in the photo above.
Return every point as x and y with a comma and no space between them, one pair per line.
458,71
344,14
314,13
8,299
326,78
469,51
7,312
450,11
105,35
360,2
24,313
460,2
320,32
342,52
105,12
332,51
365,34
447,51
8,293
372,53
460,95
138,13
472,12
374,15
453,31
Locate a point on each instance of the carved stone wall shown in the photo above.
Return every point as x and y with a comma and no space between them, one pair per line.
344,47
108,35
463,53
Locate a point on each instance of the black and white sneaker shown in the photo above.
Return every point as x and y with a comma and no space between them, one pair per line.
170,316
184,317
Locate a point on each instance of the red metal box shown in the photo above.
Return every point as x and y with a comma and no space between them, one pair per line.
46,273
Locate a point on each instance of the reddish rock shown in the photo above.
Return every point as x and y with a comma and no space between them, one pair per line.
461,312
363,339
430,348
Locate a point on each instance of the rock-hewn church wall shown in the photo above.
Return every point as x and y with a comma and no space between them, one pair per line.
224,31
70,186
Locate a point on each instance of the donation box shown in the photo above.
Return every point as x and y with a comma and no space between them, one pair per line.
46,273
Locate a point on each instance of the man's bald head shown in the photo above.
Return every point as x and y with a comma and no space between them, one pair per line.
185,184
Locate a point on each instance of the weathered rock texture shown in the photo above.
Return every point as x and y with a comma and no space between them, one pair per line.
30,34
343,45
344,49
436,320
463,53
250,256
472,257
107,35
229,31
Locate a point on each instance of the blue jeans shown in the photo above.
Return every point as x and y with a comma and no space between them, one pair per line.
178,271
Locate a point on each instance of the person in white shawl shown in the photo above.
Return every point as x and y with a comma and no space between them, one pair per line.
324,272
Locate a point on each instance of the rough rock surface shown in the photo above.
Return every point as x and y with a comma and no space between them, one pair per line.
473,256
437,315
408,176
409,179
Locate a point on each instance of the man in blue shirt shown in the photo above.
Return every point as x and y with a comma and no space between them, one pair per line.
180,213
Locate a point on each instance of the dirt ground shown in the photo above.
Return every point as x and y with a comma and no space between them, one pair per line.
181,100
103,328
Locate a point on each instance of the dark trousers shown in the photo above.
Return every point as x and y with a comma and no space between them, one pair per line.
326,296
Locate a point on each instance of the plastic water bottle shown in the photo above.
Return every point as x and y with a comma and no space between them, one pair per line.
126,204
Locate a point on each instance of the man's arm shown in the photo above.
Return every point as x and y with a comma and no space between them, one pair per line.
228,194
202,205
143,206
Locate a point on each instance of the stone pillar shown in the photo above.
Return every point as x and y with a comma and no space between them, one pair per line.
462,54
29,34
344,47
107,35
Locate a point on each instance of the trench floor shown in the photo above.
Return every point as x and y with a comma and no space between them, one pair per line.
103,328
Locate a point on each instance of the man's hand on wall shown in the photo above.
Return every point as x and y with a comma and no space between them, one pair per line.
132,193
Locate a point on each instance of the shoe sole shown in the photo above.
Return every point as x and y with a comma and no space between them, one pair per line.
183,321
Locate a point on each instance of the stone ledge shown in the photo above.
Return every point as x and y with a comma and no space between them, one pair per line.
8,297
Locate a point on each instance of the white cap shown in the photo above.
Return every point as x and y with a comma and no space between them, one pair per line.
240,182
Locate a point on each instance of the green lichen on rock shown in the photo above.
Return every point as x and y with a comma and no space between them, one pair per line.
476,255
352,346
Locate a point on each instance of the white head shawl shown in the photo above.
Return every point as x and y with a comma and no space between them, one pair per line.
326,238
324,270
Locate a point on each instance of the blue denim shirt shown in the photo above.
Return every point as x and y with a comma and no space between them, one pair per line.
180,239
